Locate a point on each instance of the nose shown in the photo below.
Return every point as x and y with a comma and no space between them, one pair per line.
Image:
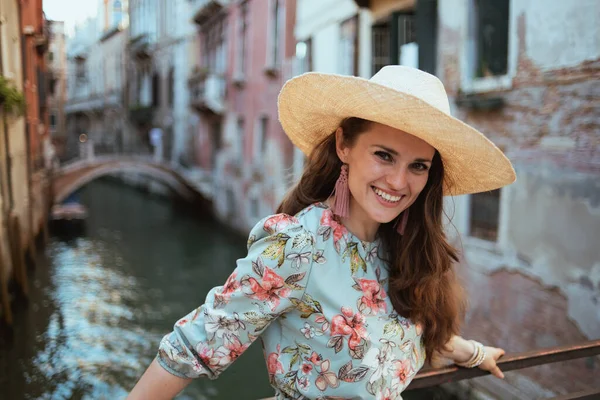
398,178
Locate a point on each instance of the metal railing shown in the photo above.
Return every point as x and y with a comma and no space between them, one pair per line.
511,362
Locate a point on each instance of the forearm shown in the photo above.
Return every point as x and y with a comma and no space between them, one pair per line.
458,350
157,383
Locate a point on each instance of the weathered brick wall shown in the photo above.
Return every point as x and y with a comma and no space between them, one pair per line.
538,287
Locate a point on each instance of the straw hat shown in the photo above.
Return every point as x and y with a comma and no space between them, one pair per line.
312,106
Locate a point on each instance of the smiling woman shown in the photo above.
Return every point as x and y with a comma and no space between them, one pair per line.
348,291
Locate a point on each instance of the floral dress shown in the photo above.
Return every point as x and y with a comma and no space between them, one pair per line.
316,296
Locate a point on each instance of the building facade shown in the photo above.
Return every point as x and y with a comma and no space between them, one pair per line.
159,37
57,86
531,258
24,185
242,65
530,262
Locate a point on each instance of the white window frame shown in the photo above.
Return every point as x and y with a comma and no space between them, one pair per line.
242,53
463,224
472,84
259,136
271,62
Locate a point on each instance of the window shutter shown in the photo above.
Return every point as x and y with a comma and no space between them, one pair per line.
427,27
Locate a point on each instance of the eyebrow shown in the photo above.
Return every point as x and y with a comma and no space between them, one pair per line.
395,153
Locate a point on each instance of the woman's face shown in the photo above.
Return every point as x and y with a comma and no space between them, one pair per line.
388,169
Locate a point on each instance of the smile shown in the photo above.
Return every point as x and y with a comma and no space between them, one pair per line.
386,196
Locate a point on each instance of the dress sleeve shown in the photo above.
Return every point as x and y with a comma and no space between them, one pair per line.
265,284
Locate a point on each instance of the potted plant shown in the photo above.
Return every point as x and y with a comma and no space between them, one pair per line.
11,99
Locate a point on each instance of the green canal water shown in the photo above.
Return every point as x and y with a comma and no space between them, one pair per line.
100,302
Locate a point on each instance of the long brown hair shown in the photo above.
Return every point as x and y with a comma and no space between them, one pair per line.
423,285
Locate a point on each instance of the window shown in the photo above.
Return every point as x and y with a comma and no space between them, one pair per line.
260,137
156,90
51,56
216,141
393,42
171,87
274,52
489,30
484,211
264,124
241,136
381,47
214,47
52,120
242,42
304,55
349,47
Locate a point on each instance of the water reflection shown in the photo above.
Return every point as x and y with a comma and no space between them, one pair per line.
102,303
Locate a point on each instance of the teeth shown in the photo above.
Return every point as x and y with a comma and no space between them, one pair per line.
386,196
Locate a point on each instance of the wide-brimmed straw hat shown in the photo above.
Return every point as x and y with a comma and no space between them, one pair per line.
312,106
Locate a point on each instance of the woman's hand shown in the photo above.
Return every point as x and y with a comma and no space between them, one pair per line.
492,354
460,350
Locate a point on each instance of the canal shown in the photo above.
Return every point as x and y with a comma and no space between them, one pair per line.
101,302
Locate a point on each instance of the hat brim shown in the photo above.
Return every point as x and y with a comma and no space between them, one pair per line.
312,106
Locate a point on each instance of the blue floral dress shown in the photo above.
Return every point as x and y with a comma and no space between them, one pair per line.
316,296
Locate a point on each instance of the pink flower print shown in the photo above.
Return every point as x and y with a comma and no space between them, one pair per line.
271,289
207,355
402,370
374,295
338,230
231,285
232,348
308,331
274,366
388,394
322,320
278,222
182,322
306,368
351,324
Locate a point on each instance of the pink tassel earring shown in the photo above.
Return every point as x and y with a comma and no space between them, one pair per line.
401,223
341,207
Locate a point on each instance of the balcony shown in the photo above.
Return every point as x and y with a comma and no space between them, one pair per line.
141,47
207,92
203,10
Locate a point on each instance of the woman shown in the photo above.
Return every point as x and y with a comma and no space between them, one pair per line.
351,286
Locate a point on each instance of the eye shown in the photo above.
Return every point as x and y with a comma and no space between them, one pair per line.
419,167
384,155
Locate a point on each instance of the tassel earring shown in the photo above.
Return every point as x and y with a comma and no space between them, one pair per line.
341,207
401,222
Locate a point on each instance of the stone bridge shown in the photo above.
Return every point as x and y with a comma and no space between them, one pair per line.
190,185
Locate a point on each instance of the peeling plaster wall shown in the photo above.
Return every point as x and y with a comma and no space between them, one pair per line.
538,285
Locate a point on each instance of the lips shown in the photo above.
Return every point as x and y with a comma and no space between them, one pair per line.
385,196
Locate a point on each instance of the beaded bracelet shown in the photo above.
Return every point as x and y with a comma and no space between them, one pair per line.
477,358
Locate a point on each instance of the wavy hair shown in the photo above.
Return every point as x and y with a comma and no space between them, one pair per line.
423,285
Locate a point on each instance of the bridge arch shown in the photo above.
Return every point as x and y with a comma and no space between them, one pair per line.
75,176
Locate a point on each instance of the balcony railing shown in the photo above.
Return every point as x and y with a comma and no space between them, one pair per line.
202,10
207,92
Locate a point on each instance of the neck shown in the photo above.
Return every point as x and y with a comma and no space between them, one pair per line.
360,224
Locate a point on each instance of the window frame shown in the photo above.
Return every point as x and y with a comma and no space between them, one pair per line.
470,83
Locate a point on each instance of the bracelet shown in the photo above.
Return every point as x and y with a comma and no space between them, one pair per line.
477,358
